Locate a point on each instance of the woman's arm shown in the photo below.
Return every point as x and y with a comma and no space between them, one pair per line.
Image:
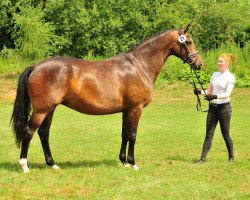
208,90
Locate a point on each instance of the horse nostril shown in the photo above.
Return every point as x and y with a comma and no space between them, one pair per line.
199,65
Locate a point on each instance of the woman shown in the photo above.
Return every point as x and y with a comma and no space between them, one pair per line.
218,94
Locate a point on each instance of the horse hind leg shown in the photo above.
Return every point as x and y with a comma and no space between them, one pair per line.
43,133
34,122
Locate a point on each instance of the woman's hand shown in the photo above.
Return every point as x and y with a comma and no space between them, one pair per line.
196,91
210,97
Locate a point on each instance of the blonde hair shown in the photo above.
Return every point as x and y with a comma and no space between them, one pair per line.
228,57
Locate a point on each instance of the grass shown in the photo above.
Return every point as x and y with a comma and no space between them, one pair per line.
170,137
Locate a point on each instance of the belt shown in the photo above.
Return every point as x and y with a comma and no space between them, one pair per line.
218,105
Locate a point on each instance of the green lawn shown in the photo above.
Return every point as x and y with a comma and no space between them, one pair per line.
170,138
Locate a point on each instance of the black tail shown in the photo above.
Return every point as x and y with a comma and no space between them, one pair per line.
21,109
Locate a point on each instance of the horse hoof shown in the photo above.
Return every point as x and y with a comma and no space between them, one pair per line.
135,167
126,165
26,170
23,163
55,167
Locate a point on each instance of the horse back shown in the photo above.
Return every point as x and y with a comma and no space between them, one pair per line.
102,87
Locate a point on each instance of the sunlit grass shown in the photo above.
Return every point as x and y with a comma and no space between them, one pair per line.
170,137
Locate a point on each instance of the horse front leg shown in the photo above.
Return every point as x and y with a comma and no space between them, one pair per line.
125,134
131,119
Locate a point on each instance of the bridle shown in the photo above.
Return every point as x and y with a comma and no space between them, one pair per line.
189,56
189,59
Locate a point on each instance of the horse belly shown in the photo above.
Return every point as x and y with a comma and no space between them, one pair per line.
94,106
94,93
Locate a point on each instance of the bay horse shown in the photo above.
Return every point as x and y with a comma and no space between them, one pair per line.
123,83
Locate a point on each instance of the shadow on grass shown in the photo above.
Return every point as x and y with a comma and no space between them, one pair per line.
87,163
63,165
181,159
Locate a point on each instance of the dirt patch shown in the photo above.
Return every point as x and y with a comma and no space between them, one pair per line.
7,88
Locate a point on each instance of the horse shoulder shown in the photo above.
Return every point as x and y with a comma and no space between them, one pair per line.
136,86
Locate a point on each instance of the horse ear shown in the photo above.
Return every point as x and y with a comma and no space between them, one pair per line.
186,28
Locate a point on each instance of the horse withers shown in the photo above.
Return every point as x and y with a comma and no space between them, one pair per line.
123,83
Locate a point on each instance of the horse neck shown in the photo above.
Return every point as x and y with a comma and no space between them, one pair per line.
153,53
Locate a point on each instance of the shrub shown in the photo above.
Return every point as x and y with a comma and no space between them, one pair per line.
174,69
34,38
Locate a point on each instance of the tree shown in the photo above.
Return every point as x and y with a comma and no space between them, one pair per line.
218,22
6,26
102,28
34,38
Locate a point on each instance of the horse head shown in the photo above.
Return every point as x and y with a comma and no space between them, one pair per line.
185,49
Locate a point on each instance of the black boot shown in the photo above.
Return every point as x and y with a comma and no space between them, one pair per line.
201,161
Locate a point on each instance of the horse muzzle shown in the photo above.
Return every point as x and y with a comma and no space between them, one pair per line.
197,65
194,60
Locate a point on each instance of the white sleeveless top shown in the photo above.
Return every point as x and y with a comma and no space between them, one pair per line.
220,82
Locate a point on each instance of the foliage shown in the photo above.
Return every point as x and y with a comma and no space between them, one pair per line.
174,69
104,29
35,29
33,36
6,25
240,66
218,22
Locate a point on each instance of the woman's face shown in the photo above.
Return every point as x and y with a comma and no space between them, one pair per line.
222,64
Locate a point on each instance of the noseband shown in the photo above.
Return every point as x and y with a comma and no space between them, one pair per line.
189,56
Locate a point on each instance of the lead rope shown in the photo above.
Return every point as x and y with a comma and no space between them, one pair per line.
198,105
